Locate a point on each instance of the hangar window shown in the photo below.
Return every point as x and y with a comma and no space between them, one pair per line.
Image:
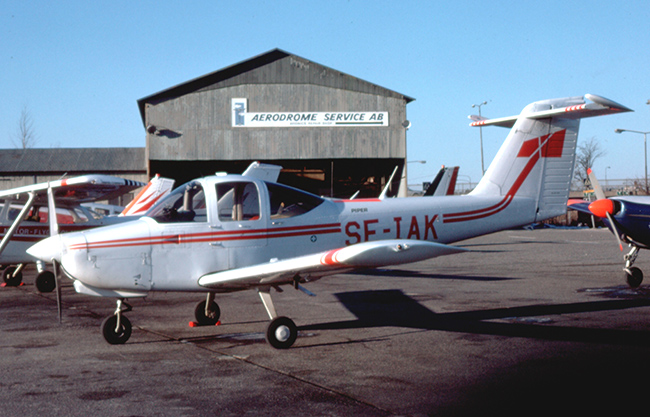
238,201
290,202
184,204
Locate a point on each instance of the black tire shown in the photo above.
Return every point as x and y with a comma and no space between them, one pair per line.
634,278
45,281
281,333
211,319
122,335
12,281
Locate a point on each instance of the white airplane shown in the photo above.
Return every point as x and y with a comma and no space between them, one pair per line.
24,215
228,233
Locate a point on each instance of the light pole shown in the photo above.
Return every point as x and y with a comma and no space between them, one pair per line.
480,128
645,151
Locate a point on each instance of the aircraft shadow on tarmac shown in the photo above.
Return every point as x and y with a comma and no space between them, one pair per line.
393,308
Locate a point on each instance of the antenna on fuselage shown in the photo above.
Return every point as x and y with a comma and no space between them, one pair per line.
390,180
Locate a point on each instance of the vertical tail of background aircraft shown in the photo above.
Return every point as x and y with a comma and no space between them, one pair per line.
546,132
444,183
157,188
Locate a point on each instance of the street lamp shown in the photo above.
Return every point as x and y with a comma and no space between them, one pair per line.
645,151
480,128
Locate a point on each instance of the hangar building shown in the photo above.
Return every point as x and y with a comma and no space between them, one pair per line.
334,134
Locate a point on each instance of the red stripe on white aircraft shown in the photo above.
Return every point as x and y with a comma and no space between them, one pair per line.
215,237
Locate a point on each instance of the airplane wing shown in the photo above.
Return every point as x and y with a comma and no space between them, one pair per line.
579,205
82,189
599,107
315,266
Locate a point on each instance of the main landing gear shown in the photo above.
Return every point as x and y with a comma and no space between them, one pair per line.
633,275
281,332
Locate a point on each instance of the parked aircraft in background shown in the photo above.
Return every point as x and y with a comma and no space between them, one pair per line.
628,218
444,183
24,217
228,233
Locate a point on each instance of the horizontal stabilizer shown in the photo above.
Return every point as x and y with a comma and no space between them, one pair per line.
600,106
310,267
264,172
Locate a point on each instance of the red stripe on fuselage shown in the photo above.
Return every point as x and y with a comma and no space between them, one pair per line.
224,236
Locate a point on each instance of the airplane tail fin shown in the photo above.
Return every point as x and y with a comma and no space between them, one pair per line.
157,188
538,156
444,183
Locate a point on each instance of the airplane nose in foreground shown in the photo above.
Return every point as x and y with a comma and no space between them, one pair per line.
602,207
47,249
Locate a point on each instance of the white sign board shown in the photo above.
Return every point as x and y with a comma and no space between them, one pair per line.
242,118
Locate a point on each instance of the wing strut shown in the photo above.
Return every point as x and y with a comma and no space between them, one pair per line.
17,221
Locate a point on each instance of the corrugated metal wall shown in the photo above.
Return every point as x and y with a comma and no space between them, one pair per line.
201,120
193,120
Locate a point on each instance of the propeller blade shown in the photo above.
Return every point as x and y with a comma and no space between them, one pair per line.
613,223
51,208
55,265
600,194
54,230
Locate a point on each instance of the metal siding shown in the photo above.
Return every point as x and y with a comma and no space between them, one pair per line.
204,120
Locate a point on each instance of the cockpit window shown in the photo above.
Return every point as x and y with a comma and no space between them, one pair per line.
184,204
290,202
238,201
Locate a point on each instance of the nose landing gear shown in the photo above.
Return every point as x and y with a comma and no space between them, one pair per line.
116,329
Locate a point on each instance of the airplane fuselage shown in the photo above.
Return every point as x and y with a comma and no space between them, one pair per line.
163,252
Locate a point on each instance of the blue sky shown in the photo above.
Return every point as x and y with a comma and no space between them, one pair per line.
79,67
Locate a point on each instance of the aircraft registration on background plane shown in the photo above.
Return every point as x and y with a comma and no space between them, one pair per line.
24,215
628,218
228,233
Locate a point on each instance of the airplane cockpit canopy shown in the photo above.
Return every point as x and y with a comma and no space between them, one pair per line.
237,200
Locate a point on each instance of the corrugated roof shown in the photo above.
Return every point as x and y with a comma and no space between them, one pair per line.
224,74
59,160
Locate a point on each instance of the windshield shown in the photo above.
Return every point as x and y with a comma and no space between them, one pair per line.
290,202
184,204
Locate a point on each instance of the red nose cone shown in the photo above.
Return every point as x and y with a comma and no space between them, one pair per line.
600,208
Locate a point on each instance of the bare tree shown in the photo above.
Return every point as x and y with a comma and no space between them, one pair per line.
586,157
25,136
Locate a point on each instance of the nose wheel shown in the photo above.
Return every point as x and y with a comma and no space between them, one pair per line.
207,312
116,329
45,281
633,275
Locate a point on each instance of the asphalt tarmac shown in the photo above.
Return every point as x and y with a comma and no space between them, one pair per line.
528,323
